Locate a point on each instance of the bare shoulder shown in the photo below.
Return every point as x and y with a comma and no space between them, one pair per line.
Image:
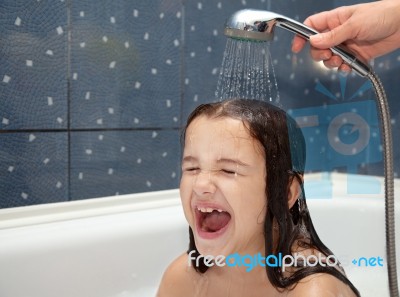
178,279
321,285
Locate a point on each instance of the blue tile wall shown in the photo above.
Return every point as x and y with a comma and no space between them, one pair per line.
106,163
125,64
93,93
33,168
33,65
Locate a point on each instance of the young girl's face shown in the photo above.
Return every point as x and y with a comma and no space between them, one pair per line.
223,187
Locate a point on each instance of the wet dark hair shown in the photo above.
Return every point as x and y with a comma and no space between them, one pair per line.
284,150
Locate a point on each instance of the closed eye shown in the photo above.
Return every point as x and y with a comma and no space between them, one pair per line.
227,171
191,169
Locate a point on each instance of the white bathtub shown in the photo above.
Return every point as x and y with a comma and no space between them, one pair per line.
120,246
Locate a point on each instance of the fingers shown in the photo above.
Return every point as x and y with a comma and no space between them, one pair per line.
329,59
320,55
333,62
298,44
335,28
325,55
321,22
331,38
344,68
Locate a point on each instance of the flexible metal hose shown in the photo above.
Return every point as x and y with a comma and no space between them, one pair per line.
387,143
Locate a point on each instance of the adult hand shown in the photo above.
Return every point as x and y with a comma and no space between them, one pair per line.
368,30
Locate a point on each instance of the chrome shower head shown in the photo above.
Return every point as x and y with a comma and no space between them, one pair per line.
258,25
252,25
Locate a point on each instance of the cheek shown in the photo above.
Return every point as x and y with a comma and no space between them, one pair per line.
253,201
185,190
186,187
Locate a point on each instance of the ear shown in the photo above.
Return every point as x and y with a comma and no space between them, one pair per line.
294,192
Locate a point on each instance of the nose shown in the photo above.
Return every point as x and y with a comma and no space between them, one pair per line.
203,184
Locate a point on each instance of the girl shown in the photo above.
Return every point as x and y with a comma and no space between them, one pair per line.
242,195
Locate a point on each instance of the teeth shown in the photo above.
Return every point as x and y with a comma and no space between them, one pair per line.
208,209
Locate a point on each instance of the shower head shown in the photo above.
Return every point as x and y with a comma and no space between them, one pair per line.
258,26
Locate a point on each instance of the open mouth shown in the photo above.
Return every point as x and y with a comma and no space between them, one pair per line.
211,220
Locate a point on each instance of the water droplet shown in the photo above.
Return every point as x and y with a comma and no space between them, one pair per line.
246,72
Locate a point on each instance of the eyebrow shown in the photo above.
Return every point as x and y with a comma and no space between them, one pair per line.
219,161
189,159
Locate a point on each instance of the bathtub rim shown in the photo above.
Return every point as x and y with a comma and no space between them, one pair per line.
70,210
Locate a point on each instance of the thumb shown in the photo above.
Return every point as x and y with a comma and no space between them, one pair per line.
331,38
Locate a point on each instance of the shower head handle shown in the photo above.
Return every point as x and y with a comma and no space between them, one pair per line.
258,25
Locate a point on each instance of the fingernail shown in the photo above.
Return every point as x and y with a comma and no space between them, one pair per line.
344,69
295,48
317,38
325,56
